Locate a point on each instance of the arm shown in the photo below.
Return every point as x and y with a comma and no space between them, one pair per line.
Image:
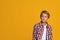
50,33
35,32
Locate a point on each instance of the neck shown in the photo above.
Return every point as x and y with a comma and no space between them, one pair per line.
44,23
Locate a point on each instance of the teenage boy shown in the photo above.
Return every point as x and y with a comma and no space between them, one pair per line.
42,30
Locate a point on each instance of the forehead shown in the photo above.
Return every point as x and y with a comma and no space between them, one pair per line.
44,14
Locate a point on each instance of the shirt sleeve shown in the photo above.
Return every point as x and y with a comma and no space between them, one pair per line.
50,33
35,32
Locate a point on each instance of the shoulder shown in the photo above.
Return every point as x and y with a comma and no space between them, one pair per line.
49,25
36,25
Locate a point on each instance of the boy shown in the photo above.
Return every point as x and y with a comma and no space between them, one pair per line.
42,30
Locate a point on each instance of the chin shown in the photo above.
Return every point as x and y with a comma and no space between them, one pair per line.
43,21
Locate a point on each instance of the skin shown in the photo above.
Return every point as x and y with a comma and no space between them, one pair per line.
44,18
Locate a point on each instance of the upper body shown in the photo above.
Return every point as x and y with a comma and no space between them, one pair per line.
38,32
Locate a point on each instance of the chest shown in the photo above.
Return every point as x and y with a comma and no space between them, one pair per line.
40,31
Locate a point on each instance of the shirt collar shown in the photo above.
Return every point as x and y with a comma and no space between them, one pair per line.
42,25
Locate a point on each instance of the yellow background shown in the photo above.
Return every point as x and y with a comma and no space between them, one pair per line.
17,18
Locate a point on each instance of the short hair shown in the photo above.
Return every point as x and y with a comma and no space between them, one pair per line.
45,12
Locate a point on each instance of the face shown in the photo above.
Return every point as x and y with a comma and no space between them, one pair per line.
44,17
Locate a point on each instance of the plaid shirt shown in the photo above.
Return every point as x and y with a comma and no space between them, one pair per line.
38,31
